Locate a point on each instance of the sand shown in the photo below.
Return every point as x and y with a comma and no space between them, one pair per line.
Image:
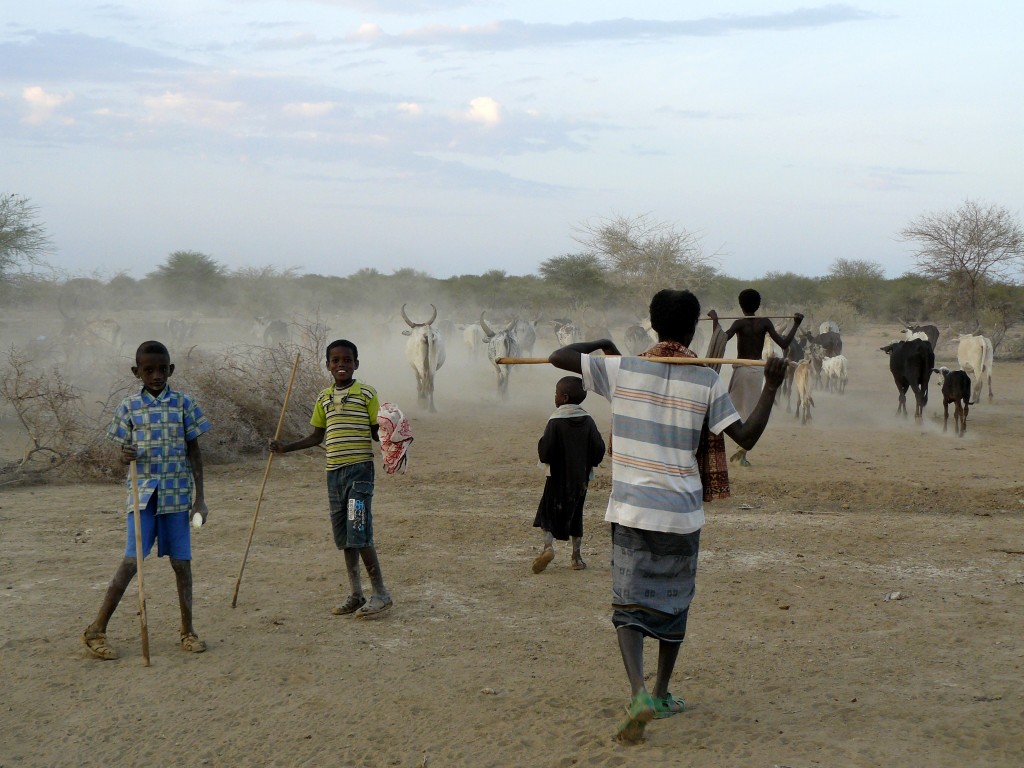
794,655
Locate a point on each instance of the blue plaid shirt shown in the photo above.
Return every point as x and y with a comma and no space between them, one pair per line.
160,427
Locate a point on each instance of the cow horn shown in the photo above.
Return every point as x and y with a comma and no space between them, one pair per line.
483,325
433,317
405,317
512,324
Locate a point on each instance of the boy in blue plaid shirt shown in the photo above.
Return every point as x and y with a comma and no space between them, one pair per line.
159,428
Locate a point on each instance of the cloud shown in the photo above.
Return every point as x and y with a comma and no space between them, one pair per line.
187,108
309,110
81,58
512,34
485,110
42,105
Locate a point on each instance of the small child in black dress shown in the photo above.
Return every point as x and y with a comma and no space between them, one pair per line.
571,446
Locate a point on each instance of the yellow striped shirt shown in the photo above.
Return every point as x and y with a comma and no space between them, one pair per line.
346,415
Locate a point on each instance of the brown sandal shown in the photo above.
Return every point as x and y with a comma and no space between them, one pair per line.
96,642
190,642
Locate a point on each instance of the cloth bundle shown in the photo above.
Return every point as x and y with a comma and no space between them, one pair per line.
395,438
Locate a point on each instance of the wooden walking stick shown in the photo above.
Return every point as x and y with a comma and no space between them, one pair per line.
266,473
137,525
672,360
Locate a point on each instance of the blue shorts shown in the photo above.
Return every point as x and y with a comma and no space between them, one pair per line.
350,493
170,530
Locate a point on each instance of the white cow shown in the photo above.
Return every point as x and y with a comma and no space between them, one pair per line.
974,353
424,351
504,343
834,371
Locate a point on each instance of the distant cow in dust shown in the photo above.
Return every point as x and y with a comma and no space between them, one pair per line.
802,385
928,332
424,351
179,331
89,336
271,333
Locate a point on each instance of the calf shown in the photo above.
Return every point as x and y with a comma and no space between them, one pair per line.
956,389
911,364
802,385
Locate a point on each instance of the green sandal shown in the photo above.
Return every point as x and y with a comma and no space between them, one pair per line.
641,710
670,705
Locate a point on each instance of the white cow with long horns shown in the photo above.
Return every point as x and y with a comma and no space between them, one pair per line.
424,351
503,343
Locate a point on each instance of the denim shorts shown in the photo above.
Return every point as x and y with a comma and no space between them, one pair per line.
350,493
170,531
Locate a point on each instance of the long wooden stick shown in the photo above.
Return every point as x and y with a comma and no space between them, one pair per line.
753,317
266,473
137,525
672,360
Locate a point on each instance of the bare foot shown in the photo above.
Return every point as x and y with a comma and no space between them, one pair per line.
578,564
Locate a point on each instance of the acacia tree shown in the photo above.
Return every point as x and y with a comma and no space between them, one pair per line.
580,275
855,281
191,275
642,255
968,250
23,240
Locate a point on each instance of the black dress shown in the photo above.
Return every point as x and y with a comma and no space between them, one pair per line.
571,447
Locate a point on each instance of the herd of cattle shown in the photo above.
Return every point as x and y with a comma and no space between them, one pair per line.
816,359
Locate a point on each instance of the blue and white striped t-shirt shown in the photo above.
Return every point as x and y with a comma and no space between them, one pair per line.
657,413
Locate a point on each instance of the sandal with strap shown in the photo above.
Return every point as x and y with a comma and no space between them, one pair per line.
377,605
96,642
641,710
668,706
190,642
352,604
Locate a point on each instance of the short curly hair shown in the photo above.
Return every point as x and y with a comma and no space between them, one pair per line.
674,314
750,300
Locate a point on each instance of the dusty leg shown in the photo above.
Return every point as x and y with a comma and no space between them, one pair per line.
667,655
183,579
352,568
577,556
369,555
641,706
95,635
122,578
631,646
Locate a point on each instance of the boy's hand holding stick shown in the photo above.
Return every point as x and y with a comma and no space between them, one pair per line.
137,525
266,473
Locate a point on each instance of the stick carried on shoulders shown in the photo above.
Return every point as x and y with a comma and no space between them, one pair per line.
671,360
266,473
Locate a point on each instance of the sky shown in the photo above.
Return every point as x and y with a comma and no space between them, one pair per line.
460,137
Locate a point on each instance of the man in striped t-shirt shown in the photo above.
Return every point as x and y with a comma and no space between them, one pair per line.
345,421
656,504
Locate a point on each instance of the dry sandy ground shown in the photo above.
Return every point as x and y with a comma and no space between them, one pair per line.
794,657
